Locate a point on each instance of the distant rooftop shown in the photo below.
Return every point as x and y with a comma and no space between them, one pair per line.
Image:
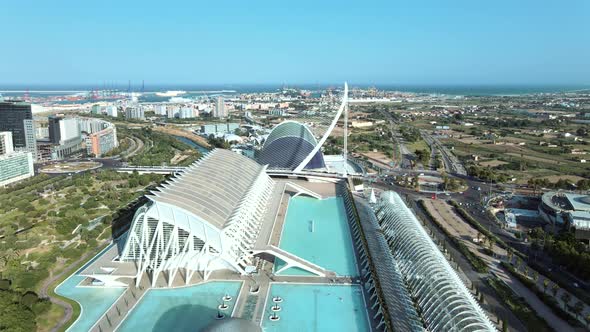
579,202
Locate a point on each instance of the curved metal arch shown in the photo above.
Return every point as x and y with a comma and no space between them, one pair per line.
327,133
479,323
463,306
433,302
268,141
448,312
436,287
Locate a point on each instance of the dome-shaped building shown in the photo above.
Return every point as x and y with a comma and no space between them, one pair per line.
288,145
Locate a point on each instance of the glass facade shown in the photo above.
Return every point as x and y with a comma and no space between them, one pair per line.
18,119
15,167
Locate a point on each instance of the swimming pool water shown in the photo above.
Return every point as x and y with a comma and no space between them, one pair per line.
181,309
308,307
93,300
318,231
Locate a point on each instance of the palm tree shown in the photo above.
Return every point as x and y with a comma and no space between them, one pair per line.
566,298
510,253
545,285
491,244
578,308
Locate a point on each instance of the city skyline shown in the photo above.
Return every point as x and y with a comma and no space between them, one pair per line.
427,43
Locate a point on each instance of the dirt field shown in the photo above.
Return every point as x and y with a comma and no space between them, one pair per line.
492,163
544,160
457,227
555,178
472,140
378,156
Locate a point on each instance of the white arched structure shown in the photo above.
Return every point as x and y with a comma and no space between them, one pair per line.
206,219
445,303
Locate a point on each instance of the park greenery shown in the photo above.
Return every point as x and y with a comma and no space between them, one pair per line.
423,156
161,149
217,142
47,222
452,184
333,145
486,174
550,301
410,133
582,184
378,140
19,310
563,248
518,306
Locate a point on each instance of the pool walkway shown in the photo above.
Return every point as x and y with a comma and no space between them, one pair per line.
294,261
113,317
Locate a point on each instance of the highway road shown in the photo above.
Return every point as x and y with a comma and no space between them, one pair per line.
452,163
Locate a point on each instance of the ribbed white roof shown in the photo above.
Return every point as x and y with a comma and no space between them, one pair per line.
212,187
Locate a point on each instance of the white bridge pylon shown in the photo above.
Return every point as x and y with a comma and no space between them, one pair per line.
327,134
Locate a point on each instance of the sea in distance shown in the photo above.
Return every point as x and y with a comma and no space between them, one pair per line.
231,89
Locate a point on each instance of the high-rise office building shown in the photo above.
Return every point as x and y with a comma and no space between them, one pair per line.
68,129
6,146
17,118
220,108
54,133
63,129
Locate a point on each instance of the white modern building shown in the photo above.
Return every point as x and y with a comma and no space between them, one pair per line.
6,145
15,166
187,112
134,113
187,227
68,129
220,110
160,109
172,112
112,111
206,219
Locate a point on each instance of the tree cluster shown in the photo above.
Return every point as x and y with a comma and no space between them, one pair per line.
564,249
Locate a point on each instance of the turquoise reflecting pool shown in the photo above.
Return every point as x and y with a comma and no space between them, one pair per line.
308,307
318,231
181,309
93,300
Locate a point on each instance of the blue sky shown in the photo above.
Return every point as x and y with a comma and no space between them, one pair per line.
374,42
